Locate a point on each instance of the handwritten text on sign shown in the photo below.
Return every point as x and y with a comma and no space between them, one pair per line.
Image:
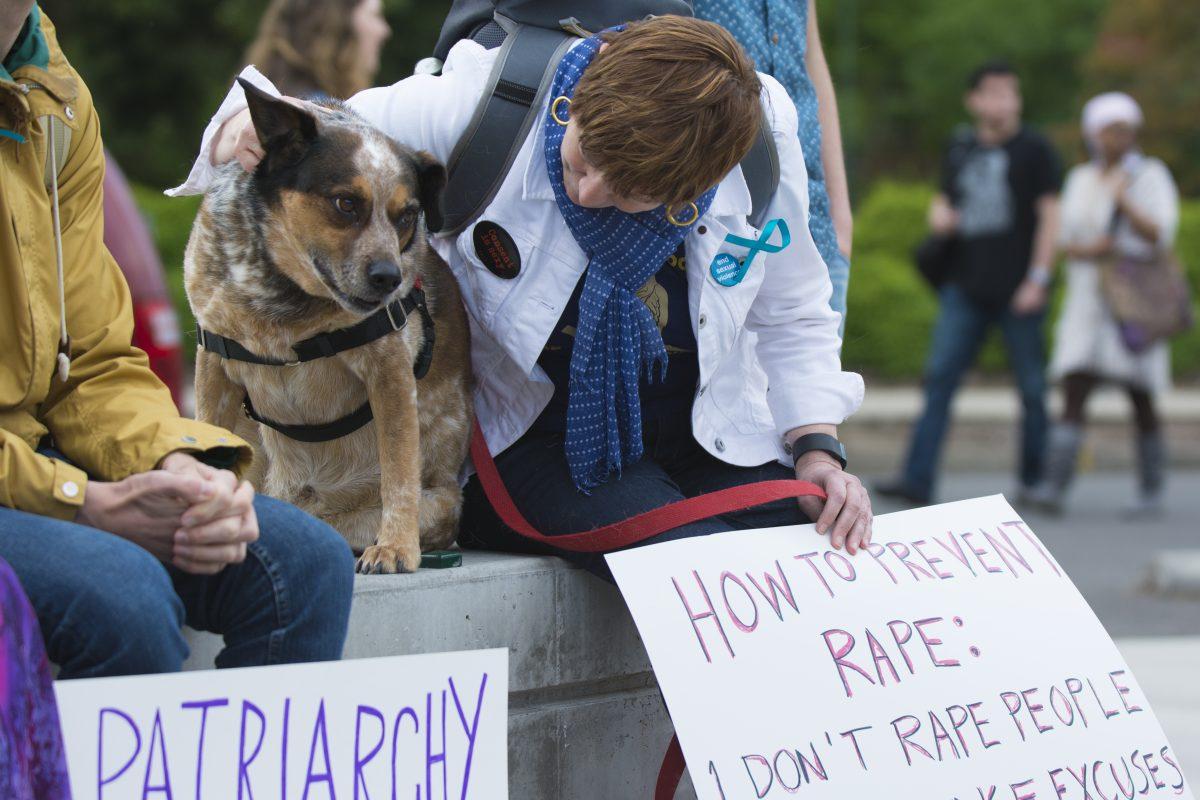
430,726
953,658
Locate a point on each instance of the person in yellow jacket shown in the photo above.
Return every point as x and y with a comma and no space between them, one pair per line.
123,520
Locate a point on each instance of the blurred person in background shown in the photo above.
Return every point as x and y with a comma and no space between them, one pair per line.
999,201
320,48
785,42
1121,201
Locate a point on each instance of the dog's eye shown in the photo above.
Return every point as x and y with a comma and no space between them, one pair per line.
345,205
406,217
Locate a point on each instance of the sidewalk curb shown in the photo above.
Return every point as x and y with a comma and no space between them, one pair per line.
992,404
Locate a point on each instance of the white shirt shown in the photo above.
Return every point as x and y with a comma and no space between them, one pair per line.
768,346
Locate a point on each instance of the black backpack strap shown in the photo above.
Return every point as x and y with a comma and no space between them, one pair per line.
511,103
760,168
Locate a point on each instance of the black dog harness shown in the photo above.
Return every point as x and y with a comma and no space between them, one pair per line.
389,319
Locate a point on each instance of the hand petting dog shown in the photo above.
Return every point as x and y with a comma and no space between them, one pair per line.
186,513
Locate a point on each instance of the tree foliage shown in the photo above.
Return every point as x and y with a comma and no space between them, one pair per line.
1148,48
901,69
159,69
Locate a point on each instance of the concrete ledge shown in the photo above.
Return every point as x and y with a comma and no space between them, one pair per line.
586,719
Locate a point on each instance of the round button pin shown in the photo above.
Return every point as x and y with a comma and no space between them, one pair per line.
70,489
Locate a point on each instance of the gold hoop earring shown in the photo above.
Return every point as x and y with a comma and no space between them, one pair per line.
554,108
671,218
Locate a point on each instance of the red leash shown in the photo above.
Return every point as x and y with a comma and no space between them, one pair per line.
630,531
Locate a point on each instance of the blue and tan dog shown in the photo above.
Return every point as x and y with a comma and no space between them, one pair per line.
328,320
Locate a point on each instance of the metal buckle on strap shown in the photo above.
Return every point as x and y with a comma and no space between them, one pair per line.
392,319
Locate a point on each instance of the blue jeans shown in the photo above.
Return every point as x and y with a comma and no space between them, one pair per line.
961,329
674,467
839,276
108,607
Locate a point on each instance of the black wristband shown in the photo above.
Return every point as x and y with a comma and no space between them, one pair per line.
818,441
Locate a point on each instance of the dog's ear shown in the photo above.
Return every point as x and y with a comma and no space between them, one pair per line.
285,130
431,179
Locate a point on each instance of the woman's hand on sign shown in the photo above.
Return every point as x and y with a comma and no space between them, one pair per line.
845,515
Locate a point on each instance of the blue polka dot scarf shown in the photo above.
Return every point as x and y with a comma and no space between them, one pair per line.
616,337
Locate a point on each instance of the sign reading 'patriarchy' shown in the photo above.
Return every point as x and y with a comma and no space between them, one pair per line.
410,726
951,659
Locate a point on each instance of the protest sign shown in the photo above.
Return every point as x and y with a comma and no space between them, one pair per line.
429,726
953,658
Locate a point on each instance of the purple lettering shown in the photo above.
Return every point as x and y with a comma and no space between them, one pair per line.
1012,701
360,762
101,780
979,723
431,757
892,626
759,791
204,706
744,627
846,572
931,642
471,730
1033,709
839,654
932,561
956,551
1123,692
852,734
913,726
979,554
901,551
243,776
695,618
807,559
156,735
325,777
876,552
1019,525
777,588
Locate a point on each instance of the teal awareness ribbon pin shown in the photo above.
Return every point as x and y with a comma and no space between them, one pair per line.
728,271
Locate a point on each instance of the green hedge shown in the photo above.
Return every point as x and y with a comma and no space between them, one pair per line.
891,310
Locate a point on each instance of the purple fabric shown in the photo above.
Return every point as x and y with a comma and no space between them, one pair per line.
32,764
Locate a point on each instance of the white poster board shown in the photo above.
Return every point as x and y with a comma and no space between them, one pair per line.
955,659
433,726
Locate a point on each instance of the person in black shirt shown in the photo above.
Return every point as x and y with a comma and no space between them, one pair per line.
998,200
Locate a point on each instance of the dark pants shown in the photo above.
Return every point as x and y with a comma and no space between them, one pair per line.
674,467
961,329
108,607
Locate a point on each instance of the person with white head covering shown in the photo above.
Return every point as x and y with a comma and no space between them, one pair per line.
1123,202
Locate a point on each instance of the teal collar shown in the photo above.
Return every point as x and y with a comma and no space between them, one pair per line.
30,47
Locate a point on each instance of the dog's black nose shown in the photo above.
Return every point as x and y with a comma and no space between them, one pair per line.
384,276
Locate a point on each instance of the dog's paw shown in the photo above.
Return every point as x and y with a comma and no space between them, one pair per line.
385,559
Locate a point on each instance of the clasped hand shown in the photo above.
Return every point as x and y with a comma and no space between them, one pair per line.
186,513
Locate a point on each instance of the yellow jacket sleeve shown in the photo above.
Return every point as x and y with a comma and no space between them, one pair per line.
112,417
32,482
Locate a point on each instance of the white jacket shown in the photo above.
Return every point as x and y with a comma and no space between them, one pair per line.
768,347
